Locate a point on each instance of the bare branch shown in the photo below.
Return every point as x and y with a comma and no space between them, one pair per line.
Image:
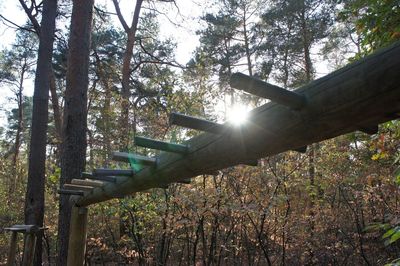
120,17
31,17
15,25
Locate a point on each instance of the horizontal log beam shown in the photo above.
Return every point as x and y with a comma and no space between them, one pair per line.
366,92
161,145
263,89
196,123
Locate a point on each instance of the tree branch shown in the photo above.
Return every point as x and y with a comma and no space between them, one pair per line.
120,17
28,12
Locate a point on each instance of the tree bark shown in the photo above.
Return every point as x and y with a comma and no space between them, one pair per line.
56,107
73,152
34,200
20,128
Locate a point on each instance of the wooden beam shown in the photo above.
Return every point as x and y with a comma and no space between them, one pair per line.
70,192
251,162
77,187
263,89
87,182
86,175
113,172
23,228
111,179
301,149
370,130
185,181
77,236
365,92
196,123
134,159
161,145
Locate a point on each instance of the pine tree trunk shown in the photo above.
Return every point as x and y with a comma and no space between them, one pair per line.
20,128
73,152
56,107
34,200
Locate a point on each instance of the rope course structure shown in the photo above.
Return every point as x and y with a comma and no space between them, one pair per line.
357,97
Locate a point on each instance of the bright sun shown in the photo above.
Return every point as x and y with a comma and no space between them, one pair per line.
237,114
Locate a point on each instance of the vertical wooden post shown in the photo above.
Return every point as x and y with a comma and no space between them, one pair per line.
77,237
13,246
29,248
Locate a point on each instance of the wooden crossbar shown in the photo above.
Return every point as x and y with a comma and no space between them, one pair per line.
196,123
263,89
134,159
161,145
113,172
87,182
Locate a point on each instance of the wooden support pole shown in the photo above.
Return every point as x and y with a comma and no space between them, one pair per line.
113,172
29,249
77,236
134,159
13,249
366,92
263,89
161,145
196,123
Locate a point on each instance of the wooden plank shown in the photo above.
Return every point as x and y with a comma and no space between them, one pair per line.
70,192
77,187
197,123
134,159
263,89
77,236
161,145
86,175
110,179
87,182
25,228
366,92
113,172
